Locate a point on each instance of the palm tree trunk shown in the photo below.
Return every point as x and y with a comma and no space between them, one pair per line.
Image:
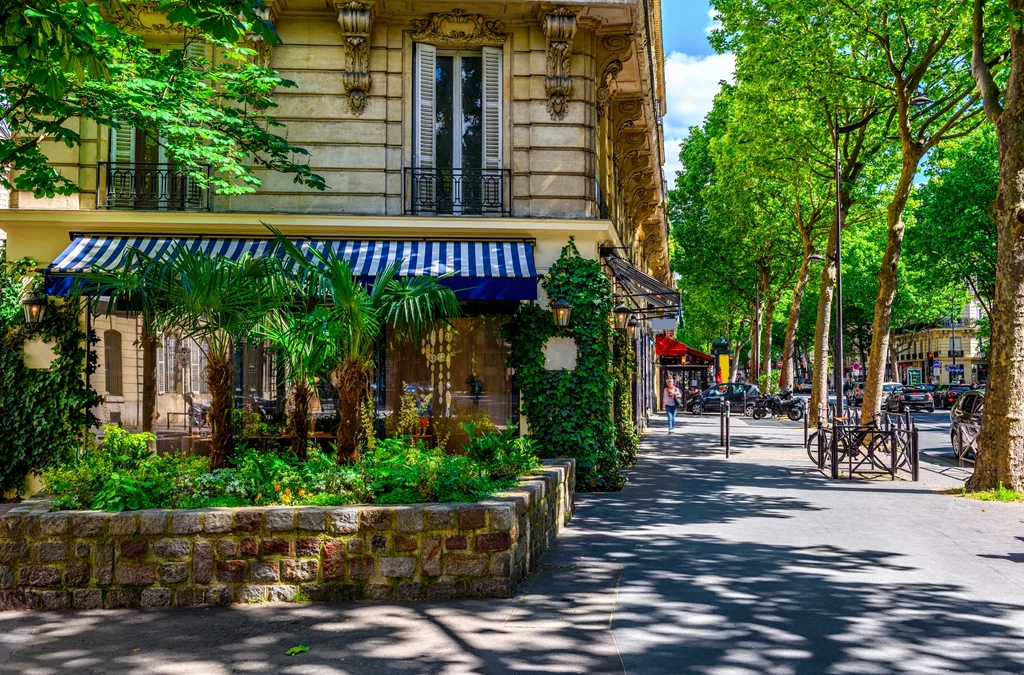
300,418
219,377
350,378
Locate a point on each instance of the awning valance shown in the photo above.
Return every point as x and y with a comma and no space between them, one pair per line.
666,346
481,270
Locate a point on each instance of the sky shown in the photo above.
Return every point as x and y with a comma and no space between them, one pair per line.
692,72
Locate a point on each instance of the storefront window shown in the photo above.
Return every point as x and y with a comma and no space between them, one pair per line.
456,375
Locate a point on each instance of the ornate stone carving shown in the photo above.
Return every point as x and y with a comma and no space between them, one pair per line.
559,28
355,18
263,50
143,17
459,27
618,48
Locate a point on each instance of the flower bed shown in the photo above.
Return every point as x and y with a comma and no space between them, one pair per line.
160,557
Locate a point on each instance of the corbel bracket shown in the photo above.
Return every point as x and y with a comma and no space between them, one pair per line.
560,26
355,18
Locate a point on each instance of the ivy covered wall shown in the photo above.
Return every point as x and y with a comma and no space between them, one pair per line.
570,412
44,412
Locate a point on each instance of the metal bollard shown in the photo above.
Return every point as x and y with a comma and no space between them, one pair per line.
806,422
744,402
727,425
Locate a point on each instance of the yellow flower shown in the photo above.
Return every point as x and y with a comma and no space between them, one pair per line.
259,496
302,493
285,498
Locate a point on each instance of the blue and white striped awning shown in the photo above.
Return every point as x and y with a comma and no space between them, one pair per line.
491,270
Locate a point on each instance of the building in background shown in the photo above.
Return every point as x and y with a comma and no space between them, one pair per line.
476,139
946,352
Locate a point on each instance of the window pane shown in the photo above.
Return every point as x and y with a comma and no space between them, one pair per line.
472,112
443,127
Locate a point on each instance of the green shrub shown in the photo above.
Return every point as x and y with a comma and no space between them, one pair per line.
501,454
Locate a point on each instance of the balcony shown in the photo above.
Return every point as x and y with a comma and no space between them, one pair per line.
149,187
458,192
954,352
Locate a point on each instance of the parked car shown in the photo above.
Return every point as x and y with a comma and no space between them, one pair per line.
947,394
909,398
802,385
855,396
710,400
965,422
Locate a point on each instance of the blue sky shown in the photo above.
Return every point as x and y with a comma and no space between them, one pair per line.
692,72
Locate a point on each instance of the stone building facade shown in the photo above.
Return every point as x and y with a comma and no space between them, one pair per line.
561,107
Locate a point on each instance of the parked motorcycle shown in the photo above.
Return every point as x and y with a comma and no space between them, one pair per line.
778,405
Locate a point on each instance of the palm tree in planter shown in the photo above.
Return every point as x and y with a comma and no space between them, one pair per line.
211,299
407,306
307,341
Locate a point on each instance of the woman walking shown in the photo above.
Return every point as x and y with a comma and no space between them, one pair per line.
670,397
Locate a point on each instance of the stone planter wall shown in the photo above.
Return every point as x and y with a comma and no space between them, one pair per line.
156,558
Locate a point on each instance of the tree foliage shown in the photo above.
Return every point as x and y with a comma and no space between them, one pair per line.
64,63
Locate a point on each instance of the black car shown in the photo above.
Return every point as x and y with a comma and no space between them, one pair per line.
902,399
965,422
947,394
710,399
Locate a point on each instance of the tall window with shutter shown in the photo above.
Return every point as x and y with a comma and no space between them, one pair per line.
112,363
458,133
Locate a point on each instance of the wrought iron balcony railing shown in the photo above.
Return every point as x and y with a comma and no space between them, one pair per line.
954,352
462,192
149,187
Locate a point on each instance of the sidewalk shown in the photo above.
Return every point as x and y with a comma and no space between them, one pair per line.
755,564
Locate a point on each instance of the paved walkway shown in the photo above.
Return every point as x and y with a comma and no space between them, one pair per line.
754,564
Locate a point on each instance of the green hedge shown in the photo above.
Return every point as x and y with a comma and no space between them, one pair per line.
570,412
45,412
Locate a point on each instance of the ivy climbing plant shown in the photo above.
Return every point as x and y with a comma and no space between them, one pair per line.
45,411
570,411
627,440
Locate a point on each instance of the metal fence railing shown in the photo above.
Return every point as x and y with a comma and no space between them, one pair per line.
471,192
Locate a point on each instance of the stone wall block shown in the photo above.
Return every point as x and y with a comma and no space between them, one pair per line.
360,567
221,595
52,601
501,564
104,564
492,541
379,543
6,577
410,590
283,593
455,542
156,597
87,598
445,589
410,518
299,570
187,522
249,520
406,542
123,524
122,598
88,525
189,596
50,525
173,573
153,522
441,516
227,548
377,518
217,522
250,594
472,517
343,520
490,588
178,547
135,574
430,556
264,572
53,551
202,563
38,575
14,601
134,548
463,565
281,520
307,547
312,520
317,592
398,566
11,526
249,547
378,592
276,546
346,593
231,571
501,517
14,551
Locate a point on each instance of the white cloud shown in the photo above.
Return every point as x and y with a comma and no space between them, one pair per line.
691,85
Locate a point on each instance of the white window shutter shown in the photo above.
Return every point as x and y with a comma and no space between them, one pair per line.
425,106
195,374
122,145
161,367
492,107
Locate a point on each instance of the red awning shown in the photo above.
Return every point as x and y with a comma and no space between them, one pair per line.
666,346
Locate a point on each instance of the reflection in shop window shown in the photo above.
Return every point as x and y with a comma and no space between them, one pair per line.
456,374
